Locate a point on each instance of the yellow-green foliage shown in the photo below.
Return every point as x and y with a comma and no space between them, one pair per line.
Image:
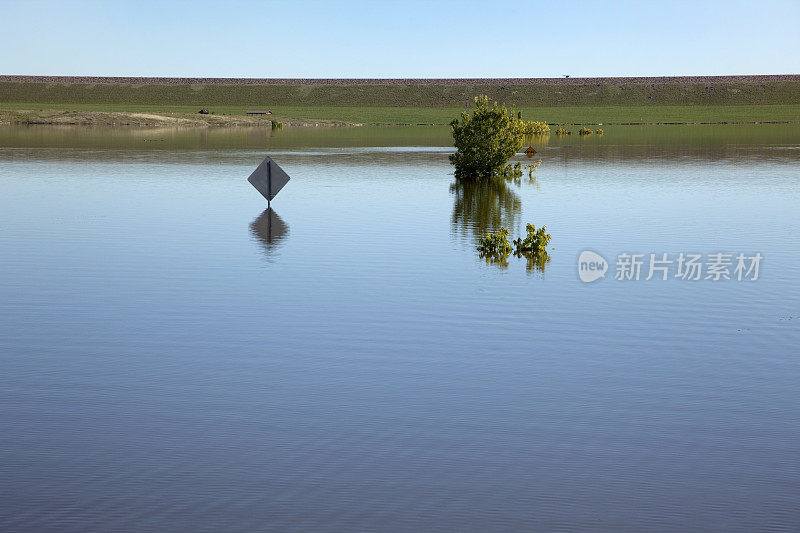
561,131
534,127
585,131
535,241
534,248
598,131
532,168
495,248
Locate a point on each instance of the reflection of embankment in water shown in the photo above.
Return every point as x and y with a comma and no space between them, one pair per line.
479,207
270,230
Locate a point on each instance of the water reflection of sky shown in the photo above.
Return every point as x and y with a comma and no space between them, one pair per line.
157,370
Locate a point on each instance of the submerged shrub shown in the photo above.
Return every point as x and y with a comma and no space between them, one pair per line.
598,131
535,241
534,248
495,243
515,175
562,131
485,140
277,125
585,131
532,168
495,248
534,127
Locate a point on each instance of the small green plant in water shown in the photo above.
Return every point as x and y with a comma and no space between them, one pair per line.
534,248
532,168
585,131
516,175
277,125
598,131
495,242
561,131
495,248
535,241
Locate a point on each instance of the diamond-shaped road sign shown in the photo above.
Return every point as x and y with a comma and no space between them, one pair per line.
268,179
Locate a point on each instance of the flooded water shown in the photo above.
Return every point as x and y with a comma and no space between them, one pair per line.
175,357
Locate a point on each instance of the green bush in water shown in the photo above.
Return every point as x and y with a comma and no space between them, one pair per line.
485,140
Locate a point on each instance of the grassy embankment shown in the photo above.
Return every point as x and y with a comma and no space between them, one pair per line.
572,102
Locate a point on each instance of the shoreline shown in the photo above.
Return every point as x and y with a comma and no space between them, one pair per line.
145,120
154,119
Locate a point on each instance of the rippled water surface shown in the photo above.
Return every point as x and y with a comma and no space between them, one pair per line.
175,357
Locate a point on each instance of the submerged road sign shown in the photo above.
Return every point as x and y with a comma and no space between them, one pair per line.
268,179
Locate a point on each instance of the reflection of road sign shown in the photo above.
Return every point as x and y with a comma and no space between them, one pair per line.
268,179
530,151
269,228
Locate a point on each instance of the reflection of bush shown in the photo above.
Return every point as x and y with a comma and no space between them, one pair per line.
535,262
484,206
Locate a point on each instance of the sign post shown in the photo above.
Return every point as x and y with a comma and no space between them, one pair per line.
268,179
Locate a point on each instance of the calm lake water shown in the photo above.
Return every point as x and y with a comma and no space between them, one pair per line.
173,357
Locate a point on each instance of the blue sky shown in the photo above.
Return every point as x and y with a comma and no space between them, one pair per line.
399,39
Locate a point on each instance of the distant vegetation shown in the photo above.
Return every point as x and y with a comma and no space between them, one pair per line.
533,127
722,90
